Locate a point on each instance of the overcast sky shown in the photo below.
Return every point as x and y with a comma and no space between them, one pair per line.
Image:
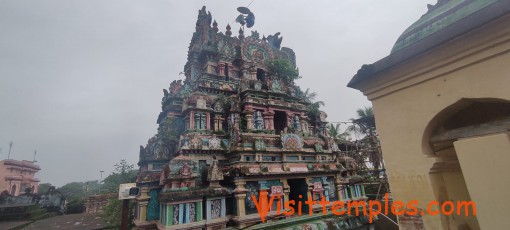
81,81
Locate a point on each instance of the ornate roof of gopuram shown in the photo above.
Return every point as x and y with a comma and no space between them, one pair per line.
444,21
208,40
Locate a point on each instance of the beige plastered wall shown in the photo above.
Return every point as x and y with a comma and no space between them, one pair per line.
407,98
482,161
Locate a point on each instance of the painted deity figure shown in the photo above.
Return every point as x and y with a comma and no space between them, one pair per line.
259,120
276,87
296,125
185,170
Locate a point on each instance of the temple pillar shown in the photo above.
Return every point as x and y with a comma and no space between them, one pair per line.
241,210
208,121
253,75
353,194
240,195
249,119
249,122
221,69
268,121
304,125
236,120
199,211
290,117
309,185
223,207
286,190
230,69
338,187
191,120
218,121
142,201
169,215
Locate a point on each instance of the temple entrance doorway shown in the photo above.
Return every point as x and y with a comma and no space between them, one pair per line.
298,187
280,121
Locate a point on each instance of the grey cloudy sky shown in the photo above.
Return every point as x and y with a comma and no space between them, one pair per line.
81,81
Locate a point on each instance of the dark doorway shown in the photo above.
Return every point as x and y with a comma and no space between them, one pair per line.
261,76
298,187
280,121
13,190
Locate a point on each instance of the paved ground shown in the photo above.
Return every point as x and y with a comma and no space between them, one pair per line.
11,224
81,221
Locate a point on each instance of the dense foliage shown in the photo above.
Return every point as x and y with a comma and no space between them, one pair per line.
44,187
74,193
284,70
123,173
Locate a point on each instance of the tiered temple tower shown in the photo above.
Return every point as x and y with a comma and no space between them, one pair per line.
235,127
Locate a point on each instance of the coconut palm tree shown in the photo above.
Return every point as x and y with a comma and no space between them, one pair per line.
314,106
365,123
309,96
336,134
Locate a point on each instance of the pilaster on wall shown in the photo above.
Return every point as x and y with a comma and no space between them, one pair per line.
339,186
309,185
286,190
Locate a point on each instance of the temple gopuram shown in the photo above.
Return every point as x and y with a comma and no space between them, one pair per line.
239,126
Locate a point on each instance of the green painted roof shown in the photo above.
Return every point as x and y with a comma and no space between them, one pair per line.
440,16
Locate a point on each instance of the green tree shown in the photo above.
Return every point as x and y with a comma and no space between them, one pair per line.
43,188
123,173
74,193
